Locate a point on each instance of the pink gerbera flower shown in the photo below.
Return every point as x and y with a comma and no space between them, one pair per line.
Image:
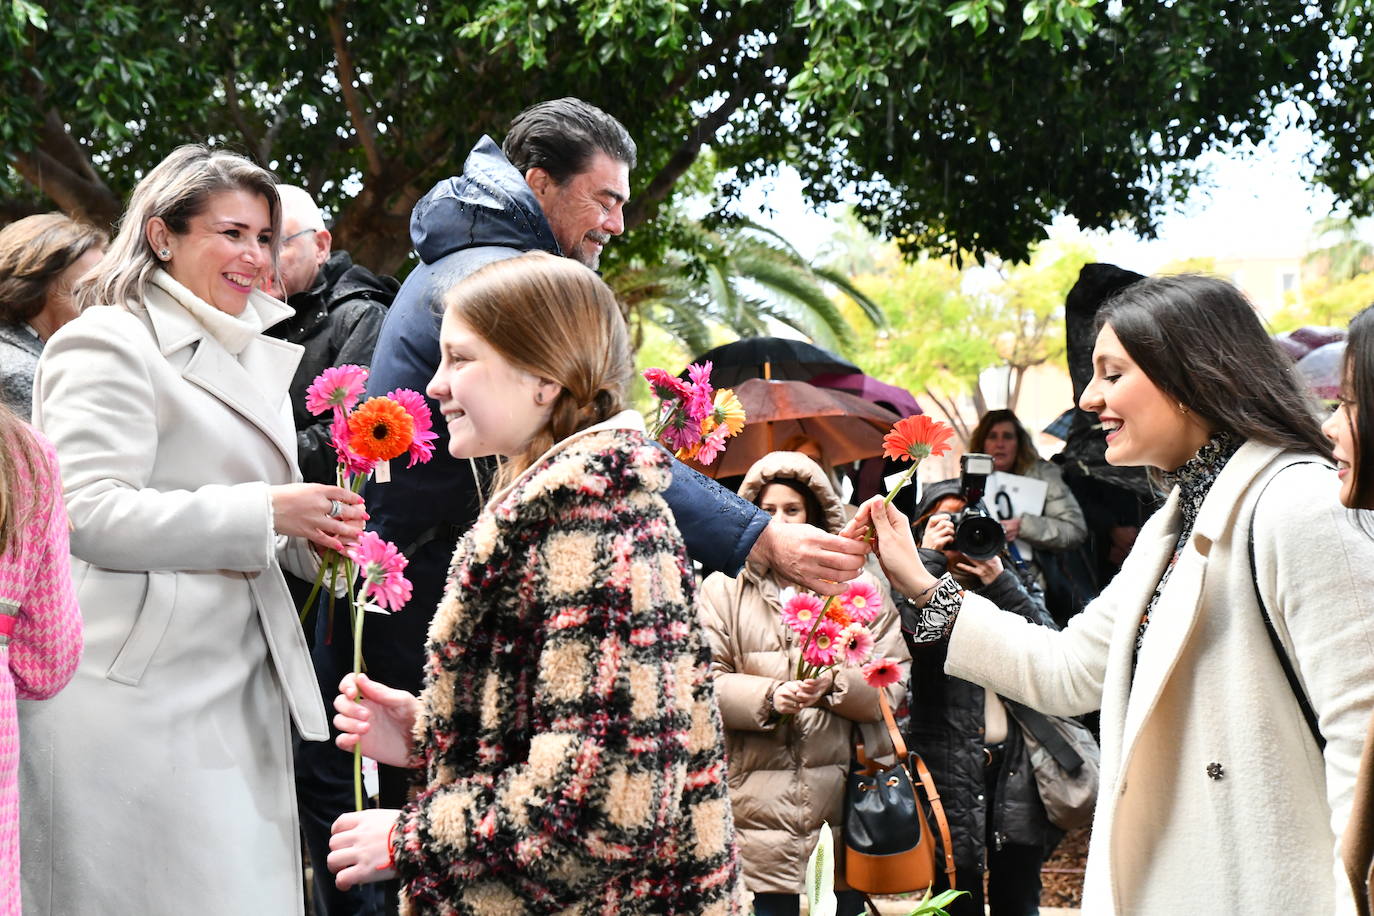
701,396
800,612
713,444
863,602
856,643
882,672
380,564
666,387
338,386
823,648
421,447
681,432
339,436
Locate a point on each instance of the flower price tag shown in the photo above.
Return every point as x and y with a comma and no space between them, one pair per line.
382,473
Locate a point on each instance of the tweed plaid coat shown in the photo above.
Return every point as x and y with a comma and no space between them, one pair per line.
569,733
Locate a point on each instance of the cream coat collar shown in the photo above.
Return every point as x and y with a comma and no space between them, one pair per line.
196,317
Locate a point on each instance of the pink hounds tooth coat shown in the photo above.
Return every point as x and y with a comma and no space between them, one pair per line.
35,577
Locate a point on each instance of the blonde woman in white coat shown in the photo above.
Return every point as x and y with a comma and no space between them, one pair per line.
1216,795
160,781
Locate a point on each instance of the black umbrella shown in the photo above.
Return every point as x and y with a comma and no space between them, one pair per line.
771,357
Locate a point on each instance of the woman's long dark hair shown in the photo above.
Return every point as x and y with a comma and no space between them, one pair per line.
1357,390
1199,339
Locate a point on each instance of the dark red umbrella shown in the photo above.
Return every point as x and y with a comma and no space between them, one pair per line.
847,427
900,400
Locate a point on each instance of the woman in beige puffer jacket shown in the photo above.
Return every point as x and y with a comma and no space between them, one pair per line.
786,779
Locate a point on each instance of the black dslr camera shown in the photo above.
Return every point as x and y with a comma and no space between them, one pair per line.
977,534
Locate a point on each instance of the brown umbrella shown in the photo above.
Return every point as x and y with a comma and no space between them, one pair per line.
847,427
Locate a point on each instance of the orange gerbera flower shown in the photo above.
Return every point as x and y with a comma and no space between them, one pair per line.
380,429
915,438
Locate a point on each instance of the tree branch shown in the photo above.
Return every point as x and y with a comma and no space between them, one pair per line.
231,98
362,124
642,208
76,195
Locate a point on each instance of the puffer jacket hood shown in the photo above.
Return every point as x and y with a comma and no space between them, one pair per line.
932,493
795,466
489,204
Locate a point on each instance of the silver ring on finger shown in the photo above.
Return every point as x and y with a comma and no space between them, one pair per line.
335,508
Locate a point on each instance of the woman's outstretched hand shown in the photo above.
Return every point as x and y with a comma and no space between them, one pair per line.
895,546
381,719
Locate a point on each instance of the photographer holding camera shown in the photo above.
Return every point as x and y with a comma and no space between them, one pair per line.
962,730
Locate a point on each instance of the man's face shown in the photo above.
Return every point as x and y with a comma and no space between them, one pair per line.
587,209
303,252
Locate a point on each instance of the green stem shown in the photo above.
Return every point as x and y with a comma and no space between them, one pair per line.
892,494
801,659
358,614
327,561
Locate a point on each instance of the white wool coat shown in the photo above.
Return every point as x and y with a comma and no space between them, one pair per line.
1214,796
160,781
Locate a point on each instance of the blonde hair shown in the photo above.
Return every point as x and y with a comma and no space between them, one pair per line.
33,253
554,318
176,190
17,449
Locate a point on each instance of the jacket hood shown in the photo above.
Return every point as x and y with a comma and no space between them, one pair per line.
794,466
934,492
489,204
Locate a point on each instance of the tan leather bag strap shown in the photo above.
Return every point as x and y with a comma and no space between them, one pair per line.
932,794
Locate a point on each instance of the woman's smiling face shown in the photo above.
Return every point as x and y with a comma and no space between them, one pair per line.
1144,425
225,251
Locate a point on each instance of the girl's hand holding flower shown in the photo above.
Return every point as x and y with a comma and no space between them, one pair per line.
381,720
360,847
791,697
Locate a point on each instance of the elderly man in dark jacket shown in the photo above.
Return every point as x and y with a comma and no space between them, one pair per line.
559,184
972,746
339,310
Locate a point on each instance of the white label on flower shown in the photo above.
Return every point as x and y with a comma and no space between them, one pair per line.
375,608
382,473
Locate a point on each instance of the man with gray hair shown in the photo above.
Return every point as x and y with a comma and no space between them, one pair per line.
558,183
339,311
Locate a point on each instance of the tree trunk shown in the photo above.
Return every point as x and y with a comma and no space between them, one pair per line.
374,234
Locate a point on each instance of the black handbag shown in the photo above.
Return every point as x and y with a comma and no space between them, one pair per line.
888,844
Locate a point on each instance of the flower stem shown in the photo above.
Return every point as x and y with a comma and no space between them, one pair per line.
892,494
801,659
358,614
326,563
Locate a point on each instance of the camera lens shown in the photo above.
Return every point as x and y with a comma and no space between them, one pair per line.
979,537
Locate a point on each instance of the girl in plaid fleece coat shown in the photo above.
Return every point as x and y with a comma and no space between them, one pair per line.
40,625
568,730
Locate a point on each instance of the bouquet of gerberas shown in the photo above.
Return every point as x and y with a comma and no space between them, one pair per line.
694,420
833,632
367,437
